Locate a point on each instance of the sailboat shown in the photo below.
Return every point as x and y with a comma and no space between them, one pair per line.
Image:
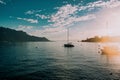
69,44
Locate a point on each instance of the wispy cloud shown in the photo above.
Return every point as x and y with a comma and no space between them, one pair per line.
29,12
66,16
28,20
42,16
2,2
100,4
62,16
22,27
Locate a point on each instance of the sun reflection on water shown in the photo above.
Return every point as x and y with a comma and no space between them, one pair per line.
111,53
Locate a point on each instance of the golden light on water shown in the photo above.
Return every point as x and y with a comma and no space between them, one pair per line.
112,53
109,50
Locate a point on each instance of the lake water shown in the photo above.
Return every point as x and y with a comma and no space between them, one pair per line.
51,61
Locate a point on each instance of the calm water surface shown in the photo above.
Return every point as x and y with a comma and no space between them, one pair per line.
51,61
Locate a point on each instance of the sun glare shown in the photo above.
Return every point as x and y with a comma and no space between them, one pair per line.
113,22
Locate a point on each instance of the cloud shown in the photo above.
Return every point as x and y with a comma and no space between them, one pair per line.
2,2
22,27
28,20
63,15
31,30
29,12
25,28
66,16
42,16
100,4
50,33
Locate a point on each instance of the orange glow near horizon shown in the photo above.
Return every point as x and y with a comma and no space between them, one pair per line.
110,50
112,54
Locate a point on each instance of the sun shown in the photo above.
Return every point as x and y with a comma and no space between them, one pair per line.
108,22
113,22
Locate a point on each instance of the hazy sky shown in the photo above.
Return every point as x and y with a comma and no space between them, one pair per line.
51,18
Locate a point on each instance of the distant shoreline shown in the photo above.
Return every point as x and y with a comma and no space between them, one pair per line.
11,35
102,39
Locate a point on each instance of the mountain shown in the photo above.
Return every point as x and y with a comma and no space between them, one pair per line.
103,39
11,35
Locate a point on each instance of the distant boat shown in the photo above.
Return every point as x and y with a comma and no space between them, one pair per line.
78,41
69,44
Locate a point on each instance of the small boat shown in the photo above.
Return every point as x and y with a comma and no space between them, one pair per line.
69,44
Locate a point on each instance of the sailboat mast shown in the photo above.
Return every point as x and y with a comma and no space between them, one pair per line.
68,35
107,29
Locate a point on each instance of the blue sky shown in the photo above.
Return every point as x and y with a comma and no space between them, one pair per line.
51,18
